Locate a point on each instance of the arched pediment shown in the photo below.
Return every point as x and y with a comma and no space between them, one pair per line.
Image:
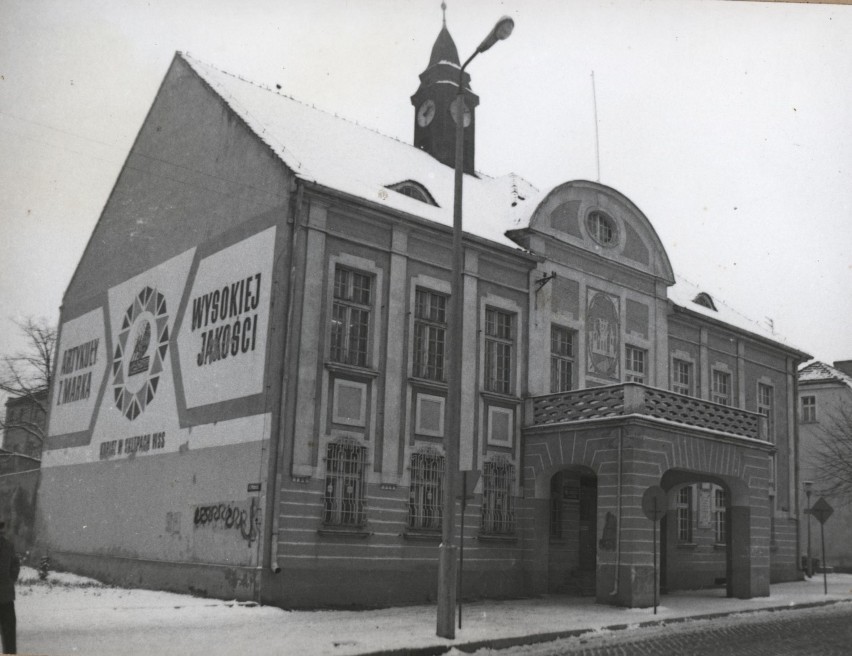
601,220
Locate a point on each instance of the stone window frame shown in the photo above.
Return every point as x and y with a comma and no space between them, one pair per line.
808,409
561,361
632,374
716,396
678,387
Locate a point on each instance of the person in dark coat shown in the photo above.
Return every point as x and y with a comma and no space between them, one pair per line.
10,567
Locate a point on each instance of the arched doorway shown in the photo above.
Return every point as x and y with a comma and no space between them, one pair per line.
695,534
572,553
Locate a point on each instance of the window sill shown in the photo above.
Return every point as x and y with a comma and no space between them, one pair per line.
687,546
495,537
351,370
335,532
421,536
720,546
500,397
428,383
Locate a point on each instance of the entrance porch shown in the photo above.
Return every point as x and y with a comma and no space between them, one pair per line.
616,441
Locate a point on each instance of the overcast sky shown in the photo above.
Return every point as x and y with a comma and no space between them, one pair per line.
728,123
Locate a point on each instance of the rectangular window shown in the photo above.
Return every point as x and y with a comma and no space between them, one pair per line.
561,359
498,500
719,508
350,317
721,387
426,493
430,328
682,377
766,407
684,514
809,409
634,364
343,503
498,351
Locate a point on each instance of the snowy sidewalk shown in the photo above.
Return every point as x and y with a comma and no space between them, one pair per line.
73,615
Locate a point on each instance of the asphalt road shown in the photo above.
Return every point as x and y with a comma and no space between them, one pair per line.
822,631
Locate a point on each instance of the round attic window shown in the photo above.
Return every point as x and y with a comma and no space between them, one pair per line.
601,227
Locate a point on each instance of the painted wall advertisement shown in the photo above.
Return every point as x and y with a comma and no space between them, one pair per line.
215,351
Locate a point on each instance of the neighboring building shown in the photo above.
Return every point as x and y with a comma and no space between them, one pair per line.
824,393
253,402
24,426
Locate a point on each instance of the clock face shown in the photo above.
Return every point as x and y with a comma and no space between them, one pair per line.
426,113
454,111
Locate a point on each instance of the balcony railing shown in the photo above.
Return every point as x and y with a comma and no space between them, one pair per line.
634,399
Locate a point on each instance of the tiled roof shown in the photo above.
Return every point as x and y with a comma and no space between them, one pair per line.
321,147
820,372
684,294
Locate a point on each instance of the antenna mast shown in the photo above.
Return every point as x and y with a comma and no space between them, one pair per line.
597,137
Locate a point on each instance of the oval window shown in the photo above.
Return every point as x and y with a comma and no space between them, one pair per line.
601,227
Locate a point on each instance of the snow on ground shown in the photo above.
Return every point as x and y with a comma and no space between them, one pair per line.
74,615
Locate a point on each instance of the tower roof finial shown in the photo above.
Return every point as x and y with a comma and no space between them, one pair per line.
444,10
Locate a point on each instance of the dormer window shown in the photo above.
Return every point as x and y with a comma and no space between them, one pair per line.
601,227
414,190
704,299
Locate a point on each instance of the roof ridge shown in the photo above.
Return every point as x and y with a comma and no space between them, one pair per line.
279,92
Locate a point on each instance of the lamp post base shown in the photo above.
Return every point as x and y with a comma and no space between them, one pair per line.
447,577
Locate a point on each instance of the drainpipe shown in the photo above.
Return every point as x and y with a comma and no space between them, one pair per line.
618,513
273,496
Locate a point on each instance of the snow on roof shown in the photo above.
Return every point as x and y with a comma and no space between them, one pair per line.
820,372
340,154
684,294
323,148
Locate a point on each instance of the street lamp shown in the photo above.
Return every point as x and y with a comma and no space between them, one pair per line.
447,572
810,564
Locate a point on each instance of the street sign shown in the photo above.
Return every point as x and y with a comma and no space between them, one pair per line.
822,510
469,480
654,503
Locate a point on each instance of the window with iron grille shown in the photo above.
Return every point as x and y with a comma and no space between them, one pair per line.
498,351
766,407
635,359
719,509
498,500
561,359
682,377
426,494
343,503
430,328
809,409
350,317
683,514
721,387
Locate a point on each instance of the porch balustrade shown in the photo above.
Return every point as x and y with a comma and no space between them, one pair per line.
635,399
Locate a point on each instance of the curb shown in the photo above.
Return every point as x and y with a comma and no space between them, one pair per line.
535,638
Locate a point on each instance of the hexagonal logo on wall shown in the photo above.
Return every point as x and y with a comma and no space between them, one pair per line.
138,360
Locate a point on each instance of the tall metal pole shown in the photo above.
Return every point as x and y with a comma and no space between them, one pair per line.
810,564
447,571
447,574
824,568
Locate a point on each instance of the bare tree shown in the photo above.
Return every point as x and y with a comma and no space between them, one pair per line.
27,375
833,455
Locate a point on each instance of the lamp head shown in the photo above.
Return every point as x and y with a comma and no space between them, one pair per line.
808,486
499,32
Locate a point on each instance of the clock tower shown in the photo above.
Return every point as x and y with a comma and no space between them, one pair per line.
435,110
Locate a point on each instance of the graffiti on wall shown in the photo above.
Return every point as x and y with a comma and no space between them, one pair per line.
240,516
